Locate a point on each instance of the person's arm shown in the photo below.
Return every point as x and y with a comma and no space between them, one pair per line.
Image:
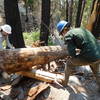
1,46
70,45
8,44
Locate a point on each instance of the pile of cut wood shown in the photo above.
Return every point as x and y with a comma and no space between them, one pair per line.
45,75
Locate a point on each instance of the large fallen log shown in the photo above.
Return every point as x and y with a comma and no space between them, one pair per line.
24,59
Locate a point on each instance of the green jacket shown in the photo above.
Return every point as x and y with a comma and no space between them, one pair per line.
82,39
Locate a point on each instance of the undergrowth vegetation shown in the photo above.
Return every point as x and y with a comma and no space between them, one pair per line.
30,37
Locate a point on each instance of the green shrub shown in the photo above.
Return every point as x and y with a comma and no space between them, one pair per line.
31,37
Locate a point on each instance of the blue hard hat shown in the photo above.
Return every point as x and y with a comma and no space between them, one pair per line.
61,25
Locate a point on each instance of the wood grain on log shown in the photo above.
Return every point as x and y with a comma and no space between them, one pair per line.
23,59
43,75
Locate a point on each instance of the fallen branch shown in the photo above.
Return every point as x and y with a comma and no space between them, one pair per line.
43,75
36,90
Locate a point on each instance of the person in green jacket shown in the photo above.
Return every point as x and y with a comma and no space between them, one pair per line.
82,47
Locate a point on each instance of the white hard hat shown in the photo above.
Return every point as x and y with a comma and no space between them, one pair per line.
6,28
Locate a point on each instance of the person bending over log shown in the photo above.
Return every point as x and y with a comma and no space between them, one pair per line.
5,30
83,48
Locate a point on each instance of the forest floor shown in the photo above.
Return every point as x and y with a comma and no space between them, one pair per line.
81,86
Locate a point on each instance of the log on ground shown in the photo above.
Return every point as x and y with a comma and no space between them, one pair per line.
23,59
43,76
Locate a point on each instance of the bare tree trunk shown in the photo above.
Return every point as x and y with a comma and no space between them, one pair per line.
70,10
94,20
93,2
80,10
45,21
67,10
13,19
96,24
83,6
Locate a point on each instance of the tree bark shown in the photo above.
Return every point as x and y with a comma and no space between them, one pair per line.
67,5
80,10
23,59
92,17
92,7
96,24
94,20
13,19
43,75
45,21
70,10
83,6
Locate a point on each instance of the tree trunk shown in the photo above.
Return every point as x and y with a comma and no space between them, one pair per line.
92,7
92,17
70,10
83,6
45,21
13,19
67,10
96,24
94,20
80,12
